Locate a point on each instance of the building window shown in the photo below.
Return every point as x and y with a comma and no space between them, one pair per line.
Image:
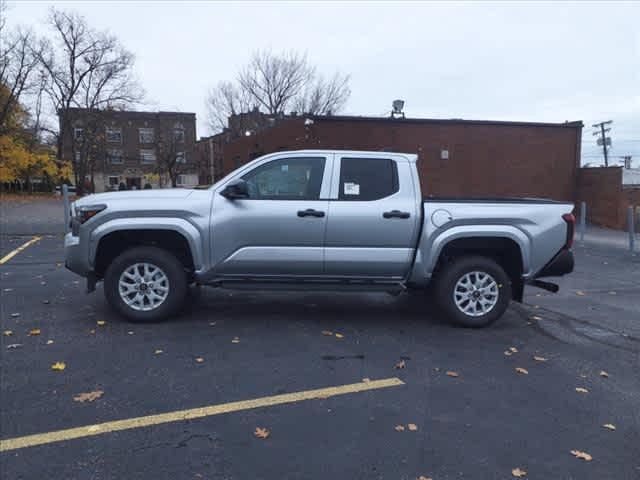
114,135
146,135
366,179
178,134
147,156
181,180
78,133
181,157
114,156
114,181
78,157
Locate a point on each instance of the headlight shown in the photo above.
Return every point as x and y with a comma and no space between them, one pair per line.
87,212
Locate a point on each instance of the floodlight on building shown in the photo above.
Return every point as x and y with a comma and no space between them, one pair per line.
397,105
247,133
308,121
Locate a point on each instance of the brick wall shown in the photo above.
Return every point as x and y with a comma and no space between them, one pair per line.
485,158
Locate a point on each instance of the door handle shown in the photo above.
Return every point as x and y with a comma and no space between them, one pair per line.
396,214
310,212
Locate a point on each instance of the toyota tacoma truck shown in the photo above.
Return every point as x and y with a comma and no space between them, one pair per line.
318,219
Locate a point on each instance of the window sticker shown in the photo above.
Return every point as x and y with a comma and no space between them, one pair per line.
351,188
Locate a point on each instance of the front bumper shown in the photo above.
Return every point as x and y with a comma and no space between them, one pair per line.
74,257
559,265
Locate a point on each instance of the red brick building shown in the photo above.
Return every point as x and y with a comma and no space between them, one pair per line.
456,157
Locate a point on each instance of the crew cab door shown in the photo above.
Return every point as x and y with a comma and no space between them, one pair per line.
278,231
373,218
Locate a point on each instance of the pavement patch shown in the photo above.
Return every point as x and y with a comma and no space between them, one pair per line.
181,415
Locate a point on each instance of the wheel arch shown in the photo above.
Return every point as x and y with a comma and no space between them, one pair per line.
112,238
507,251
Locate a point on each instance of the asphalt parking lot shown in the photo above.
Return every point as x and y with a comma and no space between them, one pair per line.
465,410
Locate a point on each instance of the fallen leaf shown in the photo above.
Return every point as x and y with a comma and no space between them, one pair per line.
399,428
366,380
400,365
8,289
261,432
49,342
199,359
422,477
518,472
235,340
513,349
33,332
7,333
583,375
328,333
521,370
583,455
451,373
130,332
88,397
604,374
14,315
14,345
59,366
101,323
412,426
92,332
508,353
580,293
539,359
610,426
339,335
581,390
158,352
212,324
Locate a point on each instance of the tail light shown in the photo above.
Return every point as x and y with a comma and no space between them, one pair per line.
571,227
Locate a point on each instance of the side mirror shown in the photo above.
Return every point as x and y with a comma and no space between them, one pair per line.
236,189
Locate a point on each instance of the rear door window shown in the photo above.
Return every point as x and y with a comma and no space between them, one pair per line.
366,179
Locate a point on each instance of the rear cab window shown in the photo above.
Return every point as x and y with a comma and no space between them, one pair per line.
367,179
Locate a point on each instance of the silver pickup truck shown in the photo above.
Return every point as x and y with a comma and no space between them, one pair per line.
318,219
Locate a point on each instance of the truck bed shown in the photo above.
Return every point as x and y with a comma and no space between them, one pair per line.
527,200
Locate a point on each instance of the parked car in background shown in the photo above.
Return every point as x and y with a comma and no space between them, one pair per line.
317,220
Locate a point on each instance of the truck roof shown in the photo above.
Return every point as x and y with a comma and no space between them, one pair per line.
411,157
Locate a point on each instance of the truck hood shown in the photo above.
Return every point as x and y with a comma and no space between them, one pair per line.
159,194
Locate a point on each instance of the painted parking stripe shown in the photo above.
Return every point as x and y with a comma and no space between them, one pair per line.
13,253
177,416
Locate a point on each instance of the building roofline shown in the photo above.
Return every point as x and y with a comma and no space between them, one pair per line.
134,112
353,118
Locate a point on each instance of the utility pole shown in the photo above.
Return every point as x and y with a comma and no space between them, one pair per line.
603,139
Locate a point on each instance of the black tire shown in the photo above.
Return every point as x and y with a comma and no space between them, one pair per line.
165,261
454,271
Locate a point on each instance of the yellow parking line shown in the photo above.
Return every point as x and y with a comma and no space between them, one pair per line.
12,254
139,422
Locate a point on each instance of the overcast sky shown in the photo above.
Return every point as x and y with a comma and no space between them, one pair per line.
480,60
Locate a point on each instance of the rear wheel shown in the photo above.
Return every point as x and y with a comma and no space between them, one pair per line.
473,291
145,284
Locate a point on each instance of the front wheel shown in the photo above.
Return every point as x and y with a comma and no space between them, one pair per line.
473,291
145,284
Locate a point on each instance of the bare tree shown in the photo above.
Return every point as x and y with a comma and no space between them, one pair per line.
273,81
171,159
324,97
19,52
86,69
275,84
224,100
